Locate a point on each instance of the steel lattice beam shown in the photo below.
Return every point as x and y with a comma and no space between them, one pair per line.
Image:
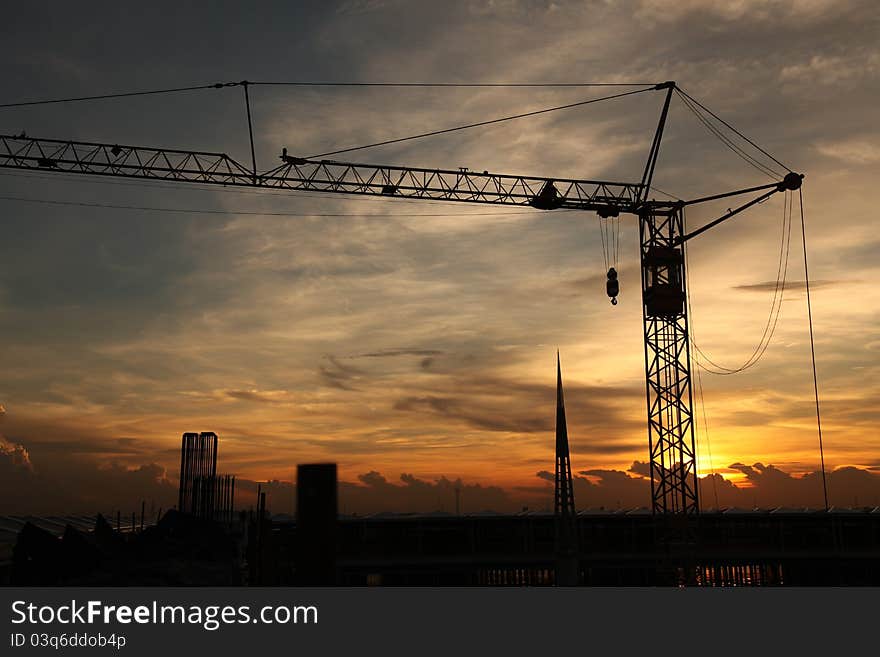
22,152
448,185
667,363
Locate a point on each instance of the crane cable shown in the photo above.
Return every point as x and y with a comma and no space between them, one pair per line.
775,305
692,338
729,143
221,85
478,124
126,94
609,230
813,349
706,435
458,85
683,94
699,378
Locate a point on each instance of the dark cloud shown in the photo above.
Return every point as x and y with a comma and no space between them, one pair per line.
765,487
605,488
121,317
14,457
52,485
494,403
339,375
54,440
847,486
790,286
640,468
374,494
260,396
587,447
388,353
82,486
499,418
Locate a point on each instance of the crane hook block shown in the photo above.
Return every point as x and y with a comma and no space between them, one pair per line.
612,286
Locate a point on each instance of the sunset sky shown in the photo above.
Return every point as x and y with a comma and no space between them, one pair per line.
425,346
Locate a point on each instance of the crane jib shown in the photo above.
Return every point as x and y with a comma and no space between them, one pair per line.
104,159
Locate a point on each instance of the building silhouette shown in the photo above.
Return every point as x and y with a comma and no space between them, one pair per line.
204,493
564,514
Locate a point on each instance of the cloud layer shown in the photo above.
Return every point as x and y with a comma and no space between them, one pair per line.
391,341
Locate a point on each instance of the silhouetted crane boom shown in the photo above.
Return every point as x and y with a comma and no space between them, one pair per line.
22,152
450,185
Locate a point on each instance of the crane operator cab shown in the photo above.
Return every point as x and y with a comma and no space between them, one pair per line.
662,273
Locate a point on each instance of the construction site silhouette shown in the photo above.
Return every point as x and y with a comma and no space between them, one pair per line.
209,540
208,543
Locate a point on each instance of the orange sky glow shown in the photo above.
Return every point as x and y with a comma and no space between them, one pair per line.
401,344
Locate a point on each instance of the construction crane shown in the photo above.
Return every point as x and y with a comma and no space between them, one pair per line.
671,442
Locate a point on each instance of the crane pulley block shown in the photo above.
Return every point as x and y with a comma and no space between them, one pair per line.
791,182
612,286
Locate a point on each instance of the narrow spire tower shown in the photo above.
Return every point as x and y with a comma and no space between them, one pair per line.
563,508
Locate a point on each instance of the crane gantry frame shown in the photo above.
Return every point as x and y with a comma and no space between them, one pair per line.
662,234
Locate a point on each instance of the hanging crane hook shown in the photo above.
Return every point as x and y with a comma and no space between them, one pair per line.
612,286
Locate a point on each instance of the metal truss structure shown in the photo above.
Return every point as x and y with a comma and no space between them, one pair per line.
667,361
22,152
667,357
297,174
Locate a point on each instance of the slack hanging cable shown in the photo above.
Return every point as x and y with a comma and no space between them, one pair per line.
772,320
775,304
813,350
475,125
